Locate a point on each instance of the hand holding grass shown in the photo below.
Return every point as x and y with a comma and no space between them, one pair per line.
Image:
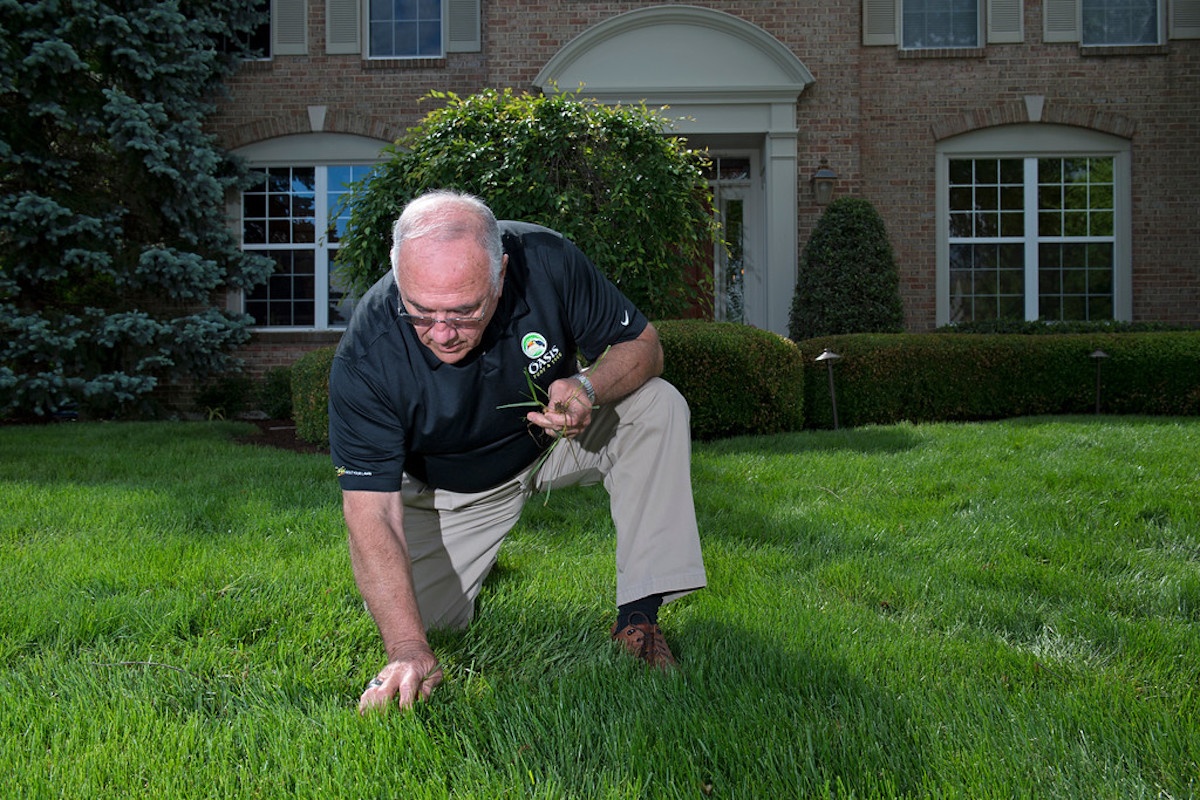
413,673
567,411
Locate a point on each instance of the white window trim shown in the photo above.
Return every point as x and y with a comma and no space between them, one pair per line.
1033,140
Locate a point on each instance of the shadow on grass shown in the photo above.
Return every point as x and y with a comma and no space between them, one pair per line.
536,691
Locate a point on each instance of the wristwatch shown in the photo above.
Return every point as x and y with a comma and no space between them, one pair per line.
586,383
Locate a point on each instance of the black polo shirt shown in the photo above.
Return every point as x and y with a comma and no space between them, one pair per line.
394,407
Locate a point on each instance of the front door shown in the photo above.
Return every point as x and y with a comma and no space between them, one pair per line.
737,283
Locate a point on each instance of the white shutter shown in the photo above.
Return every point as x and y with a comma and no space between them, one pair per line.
1006,21
289,27
1185,19
879,22
342,27
462,24
1061,20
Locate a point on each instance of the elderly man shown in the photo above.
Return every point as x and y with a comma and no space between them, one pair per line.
436,456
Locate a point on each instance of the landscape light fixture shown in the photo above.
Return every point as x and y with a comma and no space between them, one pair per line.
1098,356
828,356
822,182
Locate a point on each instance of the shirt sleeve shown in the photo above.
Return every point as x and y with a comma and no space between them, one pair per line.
600,314
366,439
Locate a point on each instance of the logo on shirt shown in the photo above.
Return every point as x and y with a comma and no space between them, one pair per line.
539,352
356,472
534,345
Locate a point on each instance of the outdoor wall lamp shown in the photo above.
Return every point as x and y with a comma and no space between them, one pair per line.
1098,356
828,356
822,183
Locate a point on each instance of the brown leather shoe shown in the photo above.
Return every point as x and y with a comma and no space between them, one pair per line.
644,640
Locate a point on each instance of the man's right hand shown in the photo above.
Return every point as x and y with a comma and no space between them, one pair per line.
412,673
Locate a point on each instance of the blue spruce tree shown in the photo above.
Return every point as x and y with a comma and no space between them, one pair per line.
114,249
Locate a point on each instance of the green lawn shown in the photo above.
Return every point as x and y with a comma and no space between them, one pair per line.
993,610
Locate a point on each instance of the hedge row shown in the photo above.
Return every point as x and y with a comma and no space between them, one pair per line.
887,378
737,380
741,380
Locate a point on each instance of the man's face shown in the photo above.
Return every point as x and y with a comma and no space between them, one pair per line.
447,280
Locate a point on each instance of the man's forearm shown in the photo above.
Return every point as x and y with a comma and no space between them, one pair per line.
382,570
626,366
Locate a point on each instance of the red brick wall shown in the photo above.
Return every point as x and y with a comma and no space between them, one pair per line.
269,350
874,113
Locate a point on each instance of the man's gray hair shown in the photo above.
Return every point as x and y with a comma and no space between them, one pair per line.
449,215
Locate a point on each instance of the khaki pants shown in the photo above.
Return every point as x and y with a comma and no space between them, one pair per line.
640,447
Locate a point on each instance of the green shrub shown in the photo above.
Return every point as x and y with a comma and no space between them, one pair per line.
275,393
635,201
848,281
737,379
225,397
310,395
882,379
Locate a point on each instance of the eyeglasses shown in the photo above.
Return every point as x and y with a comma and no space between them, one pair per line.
457,323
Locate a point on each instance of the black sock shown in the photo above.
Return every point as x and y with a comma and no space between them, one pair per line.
647,607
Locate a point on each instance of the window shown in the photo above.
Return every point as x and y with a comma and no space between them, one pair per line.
405,28
1071,253
395,29
295,216
929,24
257,42
1120,22
942,24
1038,235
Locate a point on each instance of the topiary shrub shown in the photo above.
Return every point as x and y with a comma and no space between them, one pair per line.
310,395
848,281
737,379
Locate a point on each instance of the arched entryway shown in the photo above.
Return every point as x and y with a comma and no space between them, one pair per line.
732,88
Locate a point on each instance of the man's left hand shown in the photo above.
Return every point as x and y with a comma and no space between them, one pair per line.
567,411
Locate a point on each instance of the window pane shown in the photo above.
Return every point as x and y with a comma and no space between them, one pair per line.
1100,307
1011,308
1119,22
254,231
406,28
987,171
940,23
961,172
1011,256
960,198
960,225
1012,224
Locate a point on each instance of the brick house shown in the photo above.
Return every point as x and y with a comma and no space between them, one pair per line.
1031,160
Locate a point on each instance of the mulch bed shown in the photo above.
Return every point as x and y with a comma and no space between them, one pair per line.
278,433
